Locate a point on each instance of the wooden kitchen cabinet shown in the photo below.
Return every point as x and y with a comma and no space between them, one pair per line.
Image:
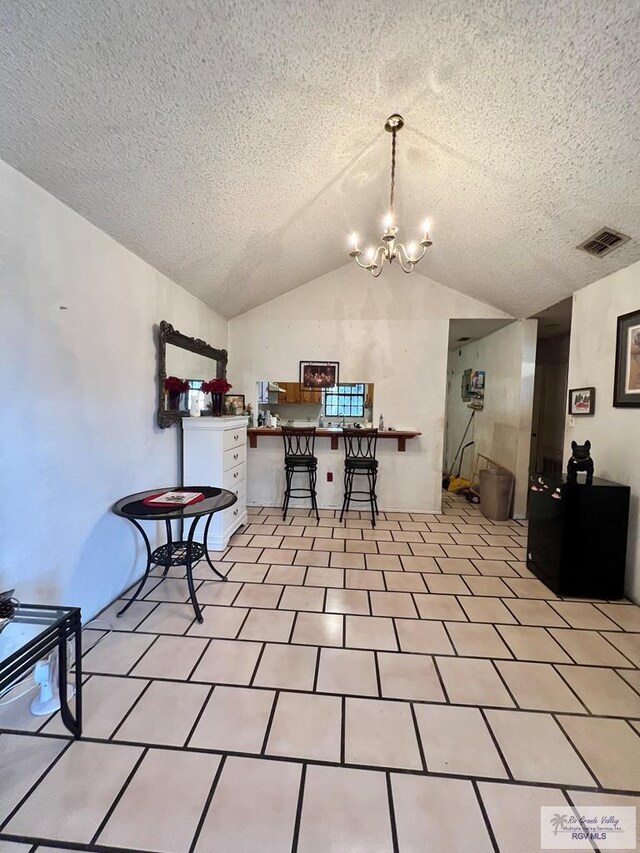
294,393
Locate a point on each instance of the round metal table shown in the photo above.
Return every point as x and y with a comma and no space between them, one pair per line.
183,552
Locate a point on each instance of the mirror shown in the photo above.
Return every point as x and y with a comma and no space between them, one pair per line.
186,362
294,405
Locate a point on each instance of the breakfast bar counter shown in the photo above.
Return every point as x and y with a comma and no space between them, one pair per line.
401,436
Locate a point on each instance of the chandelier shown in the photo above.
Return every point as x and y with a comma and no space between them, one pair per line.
390,249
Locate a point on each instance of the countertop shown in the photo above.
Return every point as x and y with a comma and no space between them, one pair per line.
334,433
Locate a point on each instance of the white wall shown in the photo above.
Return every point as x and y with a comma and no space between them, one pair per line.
614,433
79,397
502,429
392,331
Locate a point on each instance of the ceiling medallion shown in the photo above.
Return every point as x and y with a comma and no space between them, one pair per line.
390,249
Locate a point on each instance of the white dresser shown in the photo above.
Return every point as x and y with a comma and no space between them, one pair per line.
214,453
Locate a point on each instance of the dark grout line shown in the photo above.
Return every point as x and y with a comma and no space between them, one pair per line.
496,745
392,814
613,646
377,670
443,622
516,704
377,768
293,626
567,737
447,701
40,778
298,818
207,804
199,716
38,843
416,728
128,713
119,796
485,817
316,671
272,713
258,661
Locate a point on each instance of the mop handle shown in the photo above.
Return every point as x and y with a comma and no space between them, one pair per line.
453,464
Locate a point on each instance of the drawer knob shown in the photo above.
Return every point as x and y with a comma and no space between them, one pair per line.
235,455
235,437
235,512
235,476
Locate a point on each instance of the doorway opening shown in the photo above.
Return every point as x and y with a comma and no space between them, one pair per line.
550,389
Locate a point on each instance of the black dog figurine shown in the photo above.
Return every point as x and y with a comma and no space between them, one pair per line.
580,461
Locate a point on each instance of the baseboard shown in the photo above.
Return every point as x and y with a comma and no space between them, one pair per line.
339,507
218,542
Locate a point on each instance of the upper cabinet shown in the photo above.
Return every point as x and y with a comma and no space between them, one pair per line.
294,393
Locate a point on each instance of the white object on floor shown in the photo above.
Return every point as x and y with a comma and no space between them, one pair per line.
45,675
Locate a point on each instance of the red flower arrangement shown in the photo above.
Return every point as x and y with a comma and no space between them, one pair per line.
216,386
176,386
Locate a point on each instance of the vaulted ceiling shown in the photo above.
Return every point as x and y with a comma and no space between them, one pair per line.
234,144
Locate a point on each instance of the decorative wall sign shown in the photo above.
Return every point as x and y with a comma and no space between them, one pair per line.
319,374
626,385
582,401
477,390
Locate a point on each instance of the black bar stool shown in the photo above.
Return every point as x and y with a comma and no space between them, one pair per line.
298,458
360,459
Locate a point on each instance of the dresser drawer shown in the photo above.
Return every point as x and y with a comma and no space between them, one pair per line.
239,490
234,456
234,437
234,512
234,476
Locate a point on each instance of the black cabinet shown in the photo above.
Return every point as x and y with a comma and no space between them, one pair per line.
577,545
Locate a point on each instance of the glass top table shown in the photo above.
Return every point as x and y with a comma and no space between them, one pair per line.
184,552
31,635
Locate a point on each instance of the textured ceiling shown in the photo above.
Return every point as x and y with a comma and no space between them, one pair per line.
234,145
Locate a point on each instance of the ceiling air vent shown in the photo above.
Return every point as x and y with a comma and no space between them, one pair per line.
603,242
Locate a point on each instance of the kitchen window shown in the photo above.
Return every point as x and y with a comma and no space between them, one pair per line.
347,400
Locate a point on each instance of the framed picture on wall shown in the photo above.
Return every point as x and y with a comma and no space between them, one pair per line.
582,401
319,374
626,383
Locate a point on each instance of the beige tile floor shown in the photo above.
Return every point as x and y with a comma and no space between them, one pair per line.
408,688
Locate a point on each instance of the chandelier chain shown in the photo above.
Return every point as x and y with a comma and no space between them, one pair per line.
393,170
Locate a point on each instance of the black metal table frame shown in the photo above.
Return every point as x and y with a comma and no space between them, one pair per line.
54,636
185,551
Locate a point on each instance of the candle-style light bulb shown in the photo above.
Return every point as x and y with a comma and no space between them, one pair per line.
426,226
370,253
388,221
354,241
411,250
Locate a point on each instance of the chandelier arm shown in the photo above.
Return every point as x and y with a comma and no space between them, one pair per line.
379,257
412,259
373,271
406,263
361,265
